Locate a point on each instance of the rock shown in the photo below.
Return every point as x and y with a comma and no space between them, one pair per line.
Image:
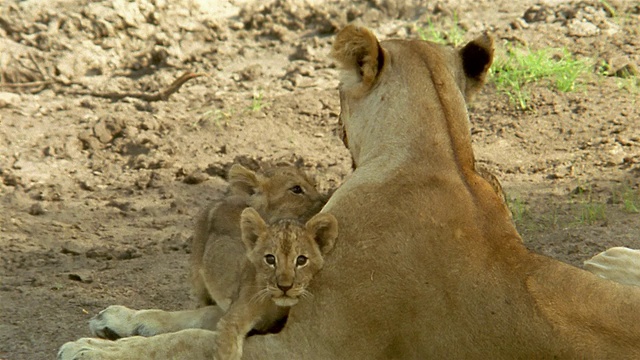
9,99
621,66
83,276
196,178
582,28
106,129
251,72
70,247
37,209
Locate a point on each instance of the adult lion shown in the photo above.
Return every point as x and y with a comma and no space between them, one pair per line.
428,264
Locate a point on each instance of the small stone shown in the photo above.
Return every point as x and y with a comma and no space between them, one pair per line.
81,276
72,248
37,209
582,28
9,99
196,178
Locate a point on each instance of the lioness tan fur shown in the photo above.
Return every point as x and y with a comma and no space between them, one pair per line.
428,264
282,259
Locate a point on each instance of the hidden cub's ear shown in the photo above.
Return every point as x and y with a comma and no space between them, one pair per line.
477,57
242,180
358,51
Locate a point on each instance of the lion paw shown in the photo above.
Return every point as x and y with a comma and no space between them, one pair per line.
118,321
82,349
618,264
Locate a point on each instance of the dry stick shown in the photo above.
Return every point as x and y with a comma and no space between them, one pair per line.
159,96
26,84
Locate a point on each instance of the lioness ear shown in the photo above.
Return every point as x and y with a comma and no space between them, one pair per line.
358,51
242,180
477,57
252,227
324,228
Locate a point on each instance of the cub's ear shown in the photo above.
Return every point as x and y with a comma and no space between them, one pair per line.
477,57
324,229
252,227
359,53
242,180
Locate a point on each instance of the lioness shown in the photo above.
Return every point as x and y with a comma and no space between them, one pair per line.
217,250
282,258
427,264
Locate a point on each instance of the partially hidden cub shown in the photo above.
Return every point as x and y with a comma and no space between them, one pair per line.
217,251
281,259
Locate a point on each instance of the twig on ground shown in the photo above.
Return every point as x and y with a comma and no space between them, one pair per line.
162,95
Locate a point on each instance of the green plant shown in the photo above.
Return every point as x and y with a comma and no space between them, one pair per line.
608,8
449,34
631,84
519,67
518,208
212,115
590,212
629,198
257,102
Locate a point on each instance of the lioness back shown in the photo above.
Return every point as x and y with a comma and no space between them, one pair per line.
281,260
216,248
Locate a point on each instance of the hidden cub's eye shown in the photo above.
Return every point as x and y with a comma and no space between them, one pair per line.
297,189
270,259
301,260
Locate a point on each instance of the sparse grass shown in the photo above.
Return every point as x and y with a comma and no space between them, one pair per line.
519,67
630,84
518,209
449,34
215,116
257,102
608,8
628,198
591,212
626,81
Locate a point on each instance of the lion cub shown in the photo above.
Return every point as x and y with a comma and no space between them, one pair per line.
217,251
281,259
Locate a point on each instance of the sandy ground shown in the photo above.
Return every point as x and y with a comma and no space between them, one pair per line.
98,191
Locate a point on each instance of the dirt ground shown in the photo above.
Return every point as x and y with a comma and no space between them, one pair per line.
98,191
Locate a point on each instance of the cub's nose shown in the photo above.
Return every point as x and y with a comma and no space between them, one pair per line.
285,288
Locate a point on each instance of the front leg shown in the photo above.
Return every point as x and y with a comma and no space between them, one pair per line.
118,321
192,344
232,329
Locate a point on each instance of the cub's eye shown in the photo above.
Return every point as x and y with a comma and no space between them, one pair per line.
301,260
297,189
270,259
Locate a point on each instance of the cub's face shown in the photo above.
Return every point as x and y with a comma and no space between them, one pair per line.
286,254
283,192
287,192
285,258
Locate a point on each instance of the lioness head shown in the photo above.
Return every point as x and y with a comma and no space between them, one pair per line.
286,254
281,192
393,89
